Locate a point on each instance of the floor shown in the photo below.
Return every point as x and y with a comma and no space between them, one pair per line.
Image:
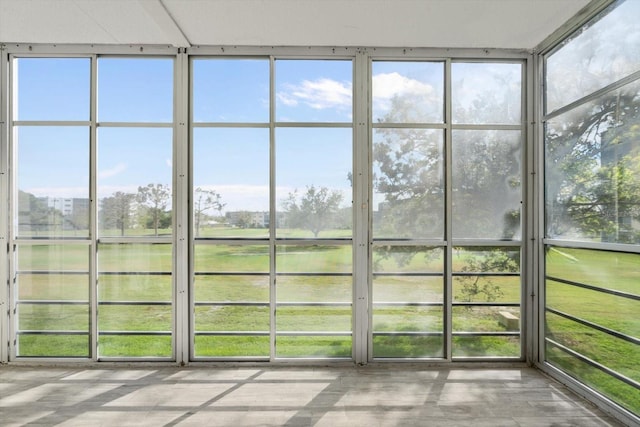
288,396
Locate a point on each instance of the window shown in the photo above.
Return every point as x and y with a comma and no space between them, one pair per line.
592,205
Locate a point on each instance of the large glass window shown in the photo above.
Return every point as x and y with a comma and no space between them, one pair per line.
416,196
258,261
61,152
408,208
134,182
51,146
592,205
486,209
272,210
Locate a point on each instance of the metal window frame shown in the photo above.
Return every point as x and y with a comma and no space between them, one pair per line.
549,46
92,53
361,241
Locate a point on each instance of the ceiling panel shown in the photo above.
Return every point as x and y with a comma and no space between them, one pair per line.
402,23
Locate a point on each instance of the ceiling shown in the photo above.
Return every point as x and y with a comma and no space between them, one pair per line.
384,23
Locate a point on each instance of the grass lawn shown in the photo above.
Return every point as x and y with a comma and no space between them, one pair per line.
609,270
229,275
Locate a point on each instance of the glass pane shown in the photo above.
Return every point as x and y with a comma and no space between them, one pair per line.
52,181
135,295
307,293
231,258
408,293
314,289
313,346
313,259
231,183
139,317
313,319
52,345
610,311
600,53
52,88
230,90
620,392
232,346
314,91
486,319
592,161
486,93
135,90
486,274
407,319
615,353
610,270
408,184
407,346
53,258
135,346
228,288
134,181
53,317
486,346
52,284
234,318
313,183
121,286
486,179
408,92
134,258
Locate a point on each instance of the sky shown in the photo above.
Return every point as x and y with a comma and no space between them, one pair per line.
233,161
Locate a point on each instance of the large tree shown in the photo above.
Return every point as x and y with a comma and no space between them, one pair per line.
117,211
204,201
593,170
155,198
314,210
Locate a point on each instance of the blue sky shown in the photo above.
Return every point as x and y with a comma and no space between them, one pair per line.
54,160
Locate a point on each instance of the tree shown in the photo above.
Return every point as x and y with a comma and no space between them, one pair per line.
205,200
409,173
33,213
155,197
474,285
313,211
593,170
117,211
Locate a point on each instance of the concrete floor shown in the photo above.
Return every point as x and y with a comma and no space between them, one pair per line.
288,396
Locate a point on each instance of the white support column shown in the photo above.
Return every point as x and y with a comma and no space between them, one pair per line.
4,212
181,200
272,210
448,266
529,229
93,212
538,209
361,334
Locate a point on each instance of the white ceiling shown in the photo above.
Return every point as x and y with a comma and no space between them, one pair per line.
183,23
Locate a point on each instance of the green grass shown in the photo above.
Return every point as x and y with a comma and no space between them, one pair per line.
608,270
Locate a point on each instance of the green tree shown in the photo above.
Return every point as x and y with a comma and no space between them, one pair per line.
155,198
314,210
204,201
117,211
593,170
474,285
33,213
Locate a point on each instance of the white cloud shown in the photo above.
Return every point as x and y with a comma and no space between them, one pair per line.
117,169
318,94
388,85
